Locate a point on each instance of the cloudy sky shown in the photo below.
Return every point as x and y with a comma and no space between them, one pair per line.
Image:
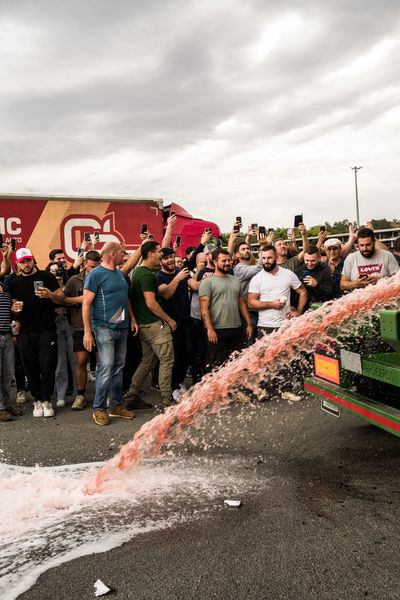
255,108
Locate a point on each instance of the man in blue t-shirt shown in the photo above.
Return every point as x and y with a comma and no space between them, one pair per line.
107,312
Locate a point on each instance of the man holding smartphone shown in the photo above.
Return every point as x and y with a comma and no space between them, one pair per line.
35,295
368,264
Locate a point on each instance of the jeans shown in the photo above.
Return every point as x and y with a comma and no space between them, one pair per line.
6,369
65,356
111,346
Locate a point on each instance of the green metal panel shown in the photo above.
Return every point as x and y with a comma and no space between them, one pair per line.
390,328
382,367
377,413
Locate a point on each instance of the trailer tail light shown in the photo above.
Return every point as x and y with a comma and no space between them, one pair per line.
327,368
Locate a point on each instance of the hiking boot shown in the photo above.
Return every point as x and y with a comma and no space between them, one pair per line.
60,403
122,412
37,409
5,415
48,410
79,403
15,412
131,393
21,397
101,417
137,404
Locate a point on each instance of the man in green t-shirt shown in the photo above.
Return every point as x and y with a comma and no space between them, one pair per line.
155,326
222,305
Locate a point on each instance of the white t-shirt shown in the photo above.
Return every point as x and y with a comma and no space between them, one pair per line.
382,264
273,287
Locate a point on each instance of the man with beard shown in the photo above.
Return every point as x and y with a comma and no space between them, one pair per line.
316,277
245,271
368,264
269,293
35,294
282,252
221,304
173,288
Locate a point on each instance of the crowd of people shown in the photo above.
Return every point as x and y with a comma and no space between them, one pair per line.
151,313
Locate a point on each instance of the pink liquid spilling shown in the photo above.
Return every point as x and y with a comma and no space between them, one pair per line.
217,390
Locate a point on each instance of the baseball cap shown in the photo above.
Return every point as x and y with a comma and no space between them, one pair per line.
209,248
23,254
332,242
167,252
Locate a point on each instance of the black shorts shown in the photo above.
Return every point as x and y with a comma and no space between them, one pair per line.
77,341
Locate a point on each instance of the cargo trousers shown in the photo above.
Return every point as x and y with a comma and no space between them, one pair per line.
156,339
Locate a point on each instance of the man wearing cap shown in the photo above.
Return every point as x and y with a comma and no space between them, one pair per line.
34,294
335,262
173,288
155,326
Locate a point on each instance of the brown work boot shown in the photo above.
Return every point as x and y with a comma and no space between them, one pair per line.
131,393
101,417
122,412
137,403
5,415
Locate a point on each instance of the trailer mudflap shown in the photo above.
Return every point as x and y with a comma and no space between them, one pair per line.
377,413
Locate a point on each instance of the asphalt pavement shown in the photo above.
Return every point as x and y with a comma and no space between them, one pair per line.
319,520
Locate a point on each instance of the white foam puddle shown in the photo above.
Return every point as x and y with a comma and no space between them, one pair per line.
48,520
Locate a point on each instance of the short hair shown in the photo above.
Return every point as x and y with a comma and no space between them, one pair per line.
110,247
237,246
189,249
396,245
365,232
93,255
312,249
268,247
148,247
215,253
53,253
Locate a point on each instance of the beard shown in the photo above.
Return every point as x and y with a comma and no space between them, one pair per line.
368,253
269,268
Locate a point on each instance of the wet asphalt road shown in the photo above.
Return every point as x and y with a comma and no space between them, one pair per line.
320,523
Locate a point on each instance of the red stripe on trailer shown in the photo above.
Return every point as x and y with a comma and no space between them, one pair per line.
354,407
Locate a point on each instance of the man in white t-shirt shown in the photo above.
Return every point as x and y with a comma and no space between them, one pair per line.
269,293
368,264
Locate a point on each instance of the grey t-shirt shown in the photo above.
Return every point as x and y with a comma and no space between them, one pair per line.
292,264
245,273
224,293
382,264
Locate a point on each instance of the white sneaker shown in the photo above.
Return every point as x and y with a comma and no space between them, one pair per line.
48,410
92,375
37,409
291,397
60,403
21,397
176,394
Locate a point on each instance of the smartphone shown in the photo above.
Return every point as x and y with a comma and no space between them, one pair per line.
37,285
270,229
262,231
236,228
322,228
144,228
239,220
81,252
178,240
289,232
254,225
208,229
86,236
172,214
1,239
306,273
297,220
60,270
150,236
13,244
96,236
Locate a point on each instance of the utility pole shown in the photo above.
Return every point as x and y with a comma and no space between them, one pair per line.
355,169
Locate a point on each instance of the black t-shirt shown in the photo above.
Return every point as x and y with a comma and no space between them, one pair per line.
203,271
178,306
37,313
